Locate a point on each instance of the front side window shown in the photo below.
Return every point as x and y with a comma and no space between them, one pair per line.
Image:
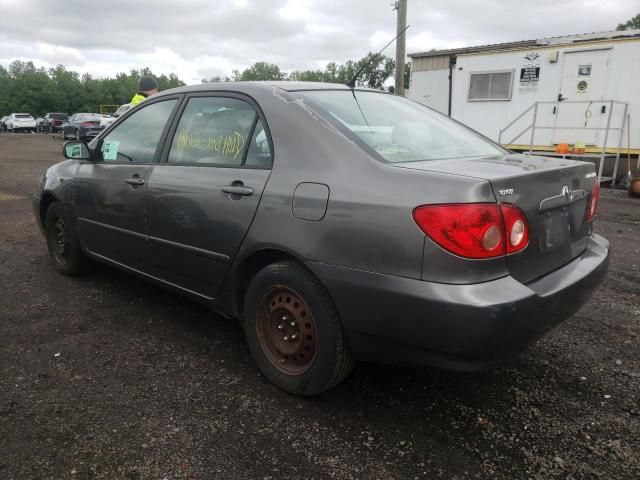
136,139
490,86
213,131
397,129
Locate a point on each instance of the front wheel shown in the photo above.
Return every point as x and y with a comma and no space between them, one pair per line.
62,241
293,330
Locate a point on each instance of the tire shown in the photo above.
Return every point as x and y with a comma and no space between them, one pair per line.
62,242
293,330
77,135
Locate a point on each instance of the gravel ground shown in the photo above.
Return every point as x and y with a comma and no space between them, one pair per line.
108,377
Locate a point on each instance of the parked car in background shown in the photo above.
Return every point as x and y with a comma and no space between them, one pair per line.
82,126
105,122
51,122
336,224
3,123
21,122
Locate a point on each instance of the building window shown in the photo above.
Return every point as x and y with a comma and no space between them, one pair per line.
489,86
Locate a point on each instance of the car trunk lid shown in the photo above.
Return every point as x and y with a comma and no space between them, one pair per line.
552,193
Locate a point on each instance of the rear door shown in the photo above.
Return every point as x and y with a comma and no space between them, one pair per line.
203,196
109,192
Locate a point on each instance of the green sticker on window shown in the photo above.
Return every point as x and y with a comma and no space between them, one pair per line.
76,151
110,150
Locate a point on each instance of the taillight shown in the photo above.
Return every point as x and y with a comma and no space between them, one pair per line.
592,206
516,228
475,230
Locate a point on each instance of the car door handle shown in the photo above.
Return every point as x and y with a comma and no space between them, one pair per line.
237,190
136,181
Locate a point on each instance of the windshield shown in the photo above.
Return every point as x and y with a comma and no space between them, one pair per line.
400,130
122,110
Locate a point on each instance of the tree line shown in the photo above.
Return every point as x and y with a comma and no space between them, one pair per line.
29,89
378,70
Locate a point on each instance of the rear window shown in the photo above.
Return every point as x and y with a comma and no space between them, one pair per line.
23,115
58,116
400,130
89,117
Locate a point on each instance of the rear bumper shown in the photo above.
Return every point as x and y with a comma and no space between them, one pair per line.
461,327
90,133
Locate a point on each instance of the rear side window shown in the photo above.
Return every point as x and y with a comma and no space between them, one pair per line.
218,131
136,139
259,152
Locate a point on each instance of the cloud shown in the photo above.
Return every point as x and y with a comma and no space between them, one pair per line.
200,38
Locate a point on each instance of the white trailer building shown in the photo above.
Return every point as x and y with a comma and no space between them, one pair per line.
531,95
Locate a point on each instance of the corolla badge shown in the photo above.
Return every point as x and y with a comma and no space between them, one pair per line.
567,193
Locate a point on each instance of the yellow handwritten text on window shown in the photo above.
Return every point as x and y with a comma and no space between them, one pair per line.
224,144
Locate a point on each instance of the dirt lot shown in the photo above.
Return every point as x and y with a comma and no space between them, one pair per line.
109,377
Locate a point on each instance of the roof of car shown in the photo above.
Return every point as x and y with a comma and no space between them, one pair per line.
285,85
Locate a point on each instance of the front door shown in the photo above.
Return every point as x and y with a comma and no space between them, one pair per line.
109,192
584,76
203,196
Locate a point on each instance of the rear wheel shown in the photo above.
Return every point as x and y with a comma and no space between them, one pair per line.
293,330
62,241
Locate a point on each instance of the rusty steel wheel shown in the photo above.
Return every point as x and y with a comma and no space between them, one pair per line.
294,331
286,330
62,241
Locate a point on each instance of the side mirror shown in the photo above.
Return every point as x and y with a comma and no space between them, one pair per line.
76,151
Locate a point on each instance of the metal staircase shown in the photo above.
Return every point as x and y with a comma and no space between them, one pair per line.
607,106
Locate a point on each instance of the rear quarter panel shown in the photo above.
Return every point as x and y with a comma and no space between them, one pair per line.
368,223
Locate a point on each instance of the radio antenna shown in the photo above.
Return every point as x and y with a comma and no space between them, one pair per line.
352,82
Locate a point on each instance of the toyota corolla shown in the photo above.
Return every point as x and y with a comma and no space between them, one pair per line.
336,224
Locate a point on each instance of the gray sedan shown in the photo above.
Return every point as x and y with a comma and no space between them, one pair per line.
336,224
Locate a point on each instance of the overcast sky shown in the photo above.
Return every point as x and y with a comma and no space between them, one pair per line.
202,38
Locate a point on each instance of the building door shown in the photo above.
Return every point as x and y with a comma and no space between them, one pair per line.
584,77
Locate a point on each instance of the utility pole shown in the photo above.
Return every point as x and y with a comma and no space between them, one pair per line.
401,9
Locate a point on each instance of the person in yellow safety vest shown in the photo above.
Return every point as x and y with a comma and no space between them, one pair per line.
147,86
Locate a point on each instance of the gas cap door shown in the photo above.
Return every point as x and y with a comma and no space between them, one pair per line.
310,201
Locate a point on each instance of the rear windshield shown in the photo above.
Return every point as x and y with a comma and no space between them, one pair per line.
400,130
58,116
89,117
23,115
